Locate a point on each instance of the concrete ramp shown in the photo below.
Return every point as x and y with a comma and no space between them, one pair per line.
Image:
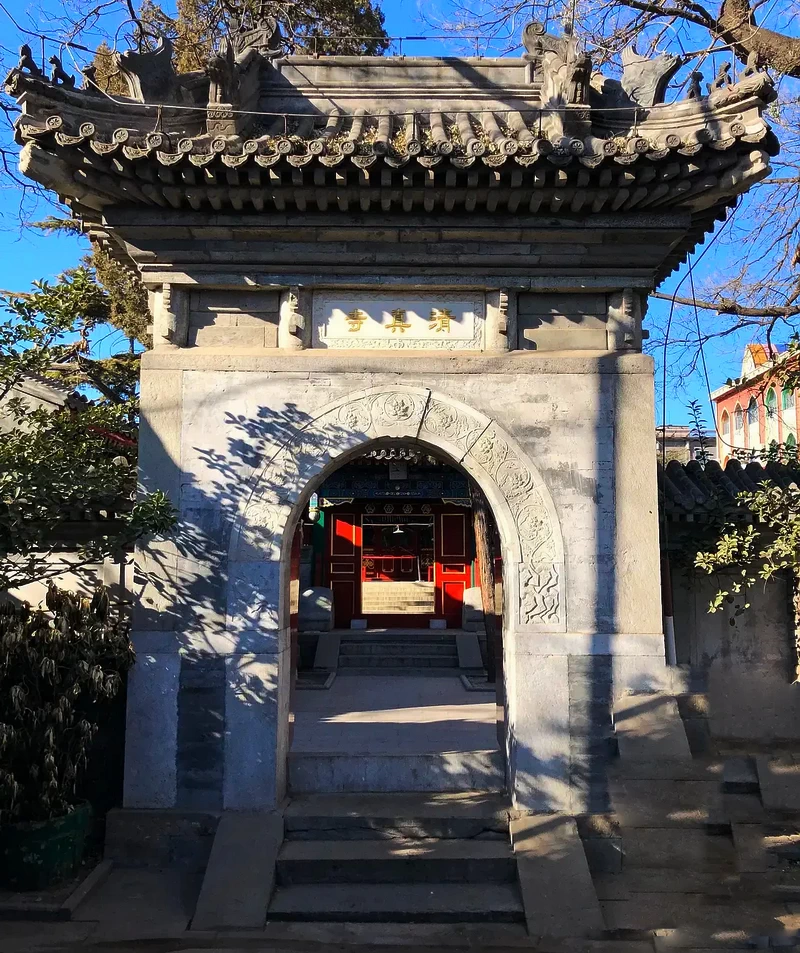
557,890
649,728
240,876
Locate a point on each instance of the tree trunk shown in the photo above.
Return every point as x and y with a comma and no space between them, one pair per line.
775,50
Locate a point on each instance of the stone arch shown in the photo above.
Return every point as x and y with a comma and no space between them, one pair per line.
533,552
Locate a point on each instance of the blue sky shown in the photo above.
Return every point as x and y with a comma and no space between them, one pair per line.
28,255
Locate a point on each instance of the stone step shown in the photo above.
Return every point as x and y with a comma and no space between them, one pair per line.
418,671
398,648
394,635
388,903
434,771
649,728
400,861
779,780
467,814
366,660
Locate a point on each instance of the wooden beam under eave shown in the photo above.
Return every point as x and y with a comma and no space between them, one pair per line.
620,199
173,195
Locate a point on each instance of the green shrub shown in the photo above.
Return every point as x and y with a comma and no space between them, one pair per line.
58,666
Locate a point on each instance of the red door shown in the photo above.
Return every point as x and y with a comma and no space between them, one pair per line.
345,567
453,570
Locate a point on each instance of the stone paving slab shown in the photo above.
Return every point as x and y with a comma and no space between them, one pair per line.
708,916
649,728
240,876
137,903
667,770
779,780
636,880
557,890
676,848
666,803
751,853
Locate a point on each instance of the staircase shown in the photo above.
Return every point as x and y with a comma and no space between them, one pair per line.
398,651
397,858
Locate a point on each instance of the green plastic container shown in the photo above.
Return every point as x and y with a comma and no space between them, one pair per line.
38,854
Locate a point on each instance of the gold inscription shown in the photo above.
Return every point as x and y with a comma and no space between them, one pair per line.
398,322
356,318
440,319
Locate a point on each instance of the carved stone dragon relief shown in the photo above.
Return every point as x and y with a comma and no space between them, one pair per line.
485,451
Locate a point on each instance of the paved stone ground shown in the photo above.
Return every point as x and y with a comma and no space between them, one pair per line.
399,714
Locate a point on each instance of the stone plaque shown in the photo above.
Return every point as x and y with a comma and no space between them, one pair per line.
398,320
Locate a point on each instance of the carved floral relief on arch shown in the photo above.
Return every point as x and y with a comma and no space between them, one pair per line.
521,503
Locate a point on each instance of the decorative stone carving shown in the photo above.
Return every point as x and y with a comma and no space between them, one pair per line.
149,75
58,76
752,82
234,71
722,79
523,509
695,90
626,311
565,71
171,318
645,80
257,31
26,66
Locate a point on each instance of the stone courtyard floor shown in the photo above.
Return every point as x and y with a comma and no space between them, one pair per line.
377,714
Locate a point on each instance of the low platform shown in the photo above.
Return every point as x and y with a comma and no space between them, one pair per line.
396,733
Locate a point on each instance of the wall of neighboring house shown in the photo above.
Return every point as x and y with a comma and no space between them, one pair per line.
776,410
745,660
67,571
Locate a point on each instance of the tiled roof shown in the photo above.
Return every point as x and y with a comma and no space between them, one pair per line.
693,492
260,132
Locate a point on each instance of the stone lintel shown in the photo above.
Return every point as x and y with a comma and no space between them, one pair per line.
154,276
316,362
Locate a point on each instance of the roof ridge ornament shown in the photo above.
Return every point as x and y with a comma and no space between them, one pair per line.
149,74
565,69
645,79
255,30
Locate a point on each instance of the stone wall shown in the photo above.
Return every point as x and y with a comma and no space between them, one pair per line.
744,659
212,625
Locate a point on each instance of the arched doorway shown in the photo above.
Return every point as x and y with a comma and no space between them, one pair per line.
394,689
530,538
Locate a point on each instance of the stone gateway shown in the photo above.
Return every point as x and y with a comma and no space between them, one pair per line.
380,286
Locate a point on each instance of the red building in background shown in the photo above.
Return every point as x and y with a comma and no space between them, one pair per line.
755,410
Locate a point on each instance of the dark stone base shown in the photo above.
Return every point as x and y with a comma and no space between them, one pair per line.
160,838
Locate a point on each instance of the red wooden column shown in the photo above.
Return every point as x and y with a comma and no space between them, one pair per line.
453,565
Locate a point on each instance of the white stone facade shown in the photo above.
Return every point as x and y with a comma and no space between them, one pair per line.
554,442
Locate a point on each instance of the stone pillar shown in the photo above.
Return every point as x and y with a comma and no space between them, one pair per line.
170,309
153,683
501,320
258,666
294,327
625,314
637,581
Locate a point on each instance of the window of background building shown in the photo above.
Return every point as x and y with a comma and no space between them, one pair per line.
753,436
738,427
788,413
771,416
725,424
